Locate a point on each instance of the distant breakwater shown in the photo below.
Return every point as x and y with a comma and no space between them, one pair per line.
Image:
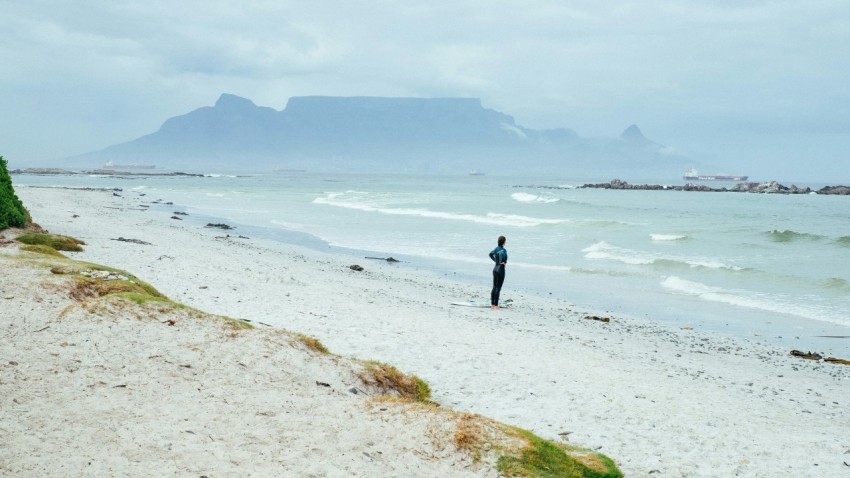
769,187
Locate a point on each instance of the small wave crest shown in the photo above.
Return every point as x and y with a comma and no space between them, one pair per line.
541,267
294,226
753,300
843,241
604,251
334,199
836,283
792,236
667,237
531,198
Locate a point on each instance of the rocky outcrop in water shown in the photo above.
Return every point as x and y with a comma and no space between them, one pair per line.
768,187
839,190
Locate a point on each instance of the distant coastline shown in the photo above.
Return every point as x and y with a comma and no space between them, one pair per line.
106,172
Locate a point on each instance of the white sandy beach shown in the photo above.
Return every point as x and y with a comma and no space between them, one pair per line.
661,402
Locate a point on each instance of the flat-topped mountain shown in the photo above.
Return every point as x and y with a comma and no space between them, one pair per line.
326,133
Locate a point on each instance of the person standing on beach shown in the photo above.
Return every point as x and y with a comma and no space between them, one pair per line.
500,257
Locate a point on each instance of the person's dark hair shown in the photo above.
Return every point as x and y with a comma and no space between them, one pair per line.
501,240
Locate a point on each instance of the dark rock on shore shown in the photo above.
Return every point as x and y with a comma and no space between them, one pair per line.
220,226
134,241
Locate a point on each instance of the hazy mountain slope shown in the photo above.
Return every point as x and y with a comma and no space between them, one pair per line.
326,133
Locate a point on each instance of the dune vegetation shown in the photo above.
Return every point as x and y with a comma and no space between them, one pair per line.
12,211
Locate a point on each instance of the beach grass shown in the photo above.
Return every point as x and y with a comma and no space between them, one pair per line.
87,287
470,436
515,451
312,343
131,289
542,458
388,378
42,249
141,298
55,241
235,324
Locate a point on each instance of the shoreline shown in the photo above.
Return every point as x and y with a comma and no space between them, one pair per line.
713,405
783,333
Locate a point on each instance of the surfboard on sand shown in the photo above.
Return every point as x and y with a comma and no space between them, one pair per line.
482,305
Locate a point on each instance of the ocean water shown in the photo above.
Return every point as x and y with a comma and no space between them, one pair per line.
768,268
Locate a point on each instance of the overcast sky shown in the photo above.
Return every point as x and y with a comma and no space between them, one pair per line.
760,86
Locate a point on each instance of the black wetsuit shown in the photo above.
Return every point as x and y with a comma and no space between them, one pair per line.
500,257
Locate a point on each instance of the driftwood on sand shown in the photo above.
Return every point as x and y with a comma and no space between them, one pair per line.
388,259
817,356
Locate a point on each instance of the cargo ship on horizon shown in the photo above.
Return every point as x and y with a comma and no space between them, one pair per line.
693,175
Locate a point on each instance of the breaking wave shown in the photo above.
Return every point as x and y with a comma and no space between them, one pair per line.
753,300
530,198
792,236
667,237
510,220
604,251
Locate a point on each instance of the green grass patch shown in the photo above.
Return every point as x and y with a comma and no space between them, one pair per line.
147,288
41,249
87,287
388,378
546,459
143,298
57,242
236,324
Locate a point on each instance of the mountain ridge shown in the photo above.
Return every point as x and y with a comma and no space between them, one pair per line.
368,133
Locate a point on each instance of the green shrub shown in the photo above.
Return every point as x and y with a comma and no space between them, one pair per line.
12,211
